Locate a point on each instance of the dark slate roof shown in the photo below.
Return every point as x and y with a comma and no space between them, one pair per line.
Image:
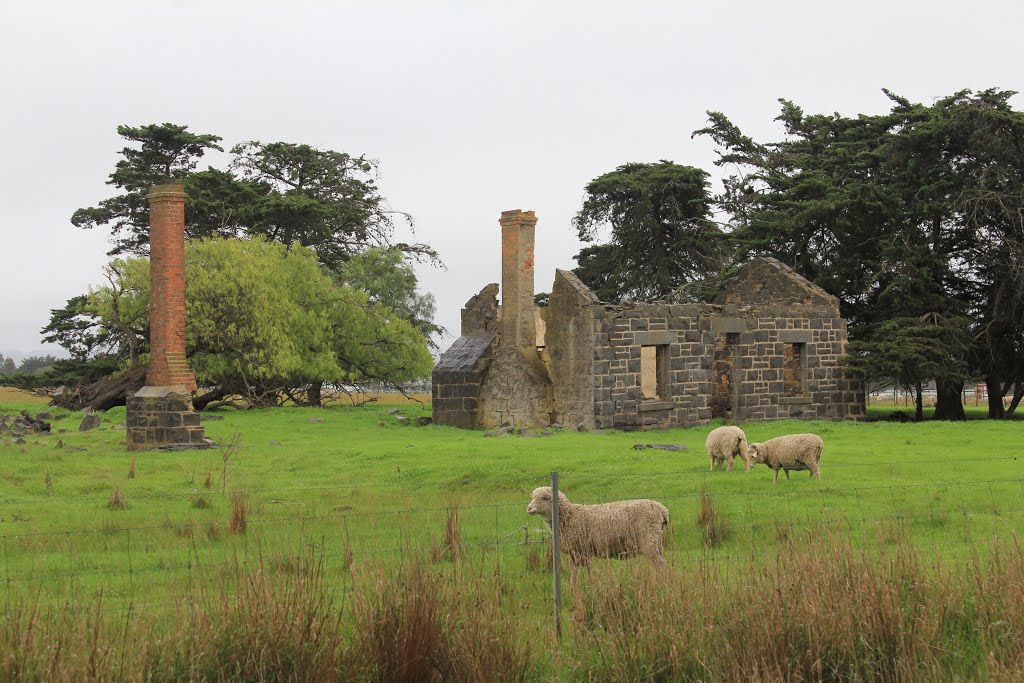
464,353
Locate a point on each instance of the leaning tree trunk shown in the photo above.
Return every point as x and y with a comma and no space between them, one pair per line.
949,403
994,389
201,401
110,391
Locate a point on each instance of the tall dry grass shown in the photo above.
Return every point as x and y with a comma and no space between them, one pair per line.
819,611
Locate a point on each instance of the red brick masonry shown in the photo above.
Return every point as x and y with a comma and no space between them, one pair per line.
167,364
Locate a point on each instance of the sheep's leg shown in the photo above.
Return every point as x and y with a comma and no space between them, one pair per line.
730,464
712,468
787,473
776,480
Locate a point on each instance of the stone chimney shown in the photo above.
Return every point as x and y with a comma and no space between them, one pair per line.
518,326
167,365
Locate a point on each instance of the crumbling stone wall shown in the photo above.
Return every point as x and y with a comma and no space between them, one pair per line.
569,349
480,315
516,390
770,348
457,378
681,335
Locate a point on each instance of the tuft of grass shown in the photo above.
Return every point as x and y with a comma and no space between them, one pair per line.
451,547
118,501
131,469
200,502
239,503
48,482
208,483
714,527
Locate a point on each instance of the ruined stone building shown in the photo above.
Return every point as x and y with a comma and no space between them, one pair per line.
771,347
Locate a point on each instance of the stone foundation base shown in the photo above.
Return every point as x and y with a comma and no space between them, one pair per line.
161,417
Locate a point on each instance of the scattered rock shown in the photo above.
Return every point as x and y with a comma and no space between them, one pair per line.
380,424
394,411
60,443
500,431
44,416
581,427
557,426
207,418
23,424
661,446
402,420
90,421
316,419
543,424
424,420
275,443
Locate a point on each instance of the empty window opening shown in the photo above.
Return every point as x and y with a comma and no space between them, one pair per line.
725,360
794,361
653,372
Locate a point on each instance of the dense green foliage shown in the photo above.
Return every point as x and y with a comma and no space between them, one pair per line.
165,152
911,214
266,322
292,195
661,234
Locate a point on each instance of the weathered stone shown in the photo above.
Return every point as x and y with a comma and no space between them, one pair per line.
500,431
402,420
772,347
90,421
423,420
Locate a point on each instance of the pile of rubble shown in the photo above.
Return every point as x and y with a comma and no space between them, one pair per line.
18,426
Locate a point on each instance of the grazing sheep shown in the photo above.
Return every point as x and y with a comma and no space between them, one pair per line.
725,443
625,528
790,452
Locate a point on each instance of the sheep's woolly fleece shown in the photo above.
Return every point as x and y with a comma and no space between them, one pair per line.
624,528
790,452
725,443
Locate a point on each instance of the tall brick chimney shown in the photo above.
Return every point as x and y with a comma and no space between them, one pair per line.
167,364
160,414
518,326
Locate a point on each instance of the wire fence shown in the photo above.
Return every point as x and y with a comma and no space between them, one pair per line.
133,565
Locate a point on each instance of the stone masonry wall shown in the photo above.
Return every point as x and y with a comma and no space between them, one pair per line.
457,378
516,390
685,336
569,351
688,335
157,417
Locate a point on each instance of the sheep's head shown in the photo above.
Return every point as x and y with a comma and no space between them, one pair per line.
755,454
541,502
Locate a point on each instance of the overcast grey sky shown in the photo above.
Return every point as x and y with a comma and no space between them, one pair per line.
470,107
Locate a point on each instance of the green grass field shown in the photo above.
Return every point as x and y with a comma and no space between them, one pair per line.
352,488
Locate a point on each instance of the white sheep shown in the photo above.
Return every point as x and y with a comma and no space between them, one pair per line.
725,443
624,528
790,452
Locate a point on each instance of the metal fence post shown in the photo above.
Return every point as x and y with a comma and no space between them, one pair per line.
555,553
